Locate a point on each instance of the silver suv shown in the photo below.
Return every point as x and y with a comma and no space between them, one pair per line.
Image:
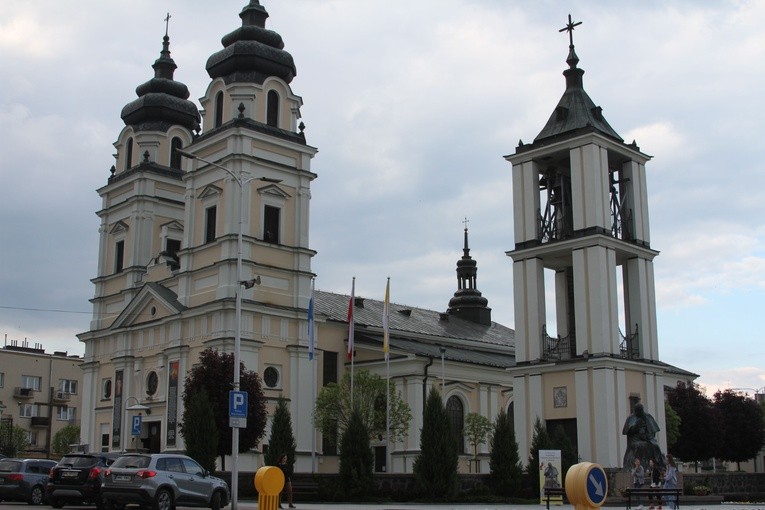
162,480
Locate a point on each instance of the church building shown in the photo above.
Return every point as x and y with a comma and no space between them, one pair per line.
205,239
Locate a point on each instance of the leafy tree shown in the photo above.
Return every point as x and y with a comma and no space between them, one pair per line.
540,440
698,423
356,458
200,431
435,468
333,406
214,372
504,462
69,434
741,427
568,455
282,441
672,419
13,439
477,427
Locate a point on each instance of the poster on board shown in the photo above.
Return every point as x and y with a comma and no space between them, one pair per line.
550,475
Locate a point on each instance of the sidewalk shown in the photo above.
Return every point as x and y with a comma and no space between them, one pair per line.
253,505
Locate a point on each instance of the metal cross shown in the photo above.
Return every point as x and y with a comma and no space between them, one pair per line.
167,22
570,29
466,221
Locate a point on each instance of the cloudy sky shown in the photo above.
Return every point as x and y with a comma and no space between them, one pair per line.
412,106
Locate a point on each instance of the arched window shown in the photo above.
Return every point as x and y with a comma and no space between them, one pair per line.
218,109
456,413
272,111
129,154
175,156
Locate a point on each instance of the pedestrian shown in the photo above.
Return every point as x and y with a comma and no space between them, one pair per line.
284,465
670,480
638,479
653,473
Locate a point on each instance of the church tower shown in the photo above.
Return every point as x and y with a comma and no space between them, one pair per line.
580,210
468,303
185,187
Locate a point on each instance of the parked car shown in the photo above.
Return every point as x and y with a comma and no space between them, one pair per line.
77,478
24,479
162,480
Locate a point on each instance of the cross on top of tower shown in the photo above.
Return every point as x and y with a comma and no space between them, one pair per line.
167,22
570,29
465,222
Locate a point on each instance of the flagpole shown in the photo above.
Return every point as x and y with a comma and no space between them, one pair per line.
312,359
351,329
386,349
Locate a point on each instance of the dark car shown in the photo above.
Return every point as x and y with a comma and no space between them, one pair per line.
24,479
162,481
77,478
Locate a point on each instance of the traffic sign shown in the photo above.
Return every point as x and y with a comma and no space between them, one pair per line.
597,485
237,409
136,425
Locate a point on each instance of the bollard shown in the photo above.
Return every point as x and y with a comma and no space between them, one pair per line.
586,486
269,482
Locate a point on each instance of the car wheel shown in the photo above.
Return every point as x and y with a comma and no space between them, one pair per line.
56,503
36,496
163,500
215,501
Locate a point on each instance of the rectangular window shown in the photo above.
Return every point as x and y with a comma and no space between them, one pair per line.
329,367
119,256
31,381
271,224
32,437
68,386
29,410
2,379
65,413
210,217
329,442
104,442
172,247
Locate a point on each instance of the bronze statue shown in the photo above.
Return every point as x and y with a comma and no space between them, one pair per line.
640,429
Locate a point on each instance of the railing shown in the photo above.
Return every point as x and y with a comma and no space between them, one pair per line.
19,392
62,396
40,421
629,346
555,347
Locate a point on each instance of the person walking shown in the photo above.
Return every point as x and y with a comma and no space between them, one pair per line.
638,479
284,465
670,480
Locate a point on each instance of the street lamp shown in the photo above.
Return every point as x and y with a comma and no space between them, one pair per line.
138,406
241,181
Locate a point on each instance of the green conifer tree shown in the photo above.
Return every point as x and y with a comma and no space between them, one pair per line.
435,468
356,459
200,432
568,454
539,441
506,470
282,441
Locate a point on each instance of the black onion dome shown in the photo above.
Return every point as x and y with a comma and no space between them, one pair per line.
162,102
251,52
468,302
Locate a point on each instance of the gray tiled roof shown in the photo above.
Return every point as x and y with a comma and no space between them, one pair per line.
421,331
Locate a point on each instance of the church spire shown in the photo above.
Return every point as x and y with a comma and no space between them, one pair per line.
468,303
576,113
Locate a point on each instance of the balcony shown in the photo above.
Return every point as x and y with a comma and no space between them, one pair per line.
23,393
61,397
40,421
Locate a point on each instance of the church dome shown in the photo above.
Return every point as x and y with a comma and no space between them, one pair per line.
251,52
162,102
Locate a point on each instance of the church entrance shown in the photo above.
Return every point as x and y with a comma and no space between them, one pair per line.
152,441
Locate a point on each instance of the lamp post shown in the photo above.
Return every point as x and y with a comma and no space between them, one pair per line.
138,406
241,181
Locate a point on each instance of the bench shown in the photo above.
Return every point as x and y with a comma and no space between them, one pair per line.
554,492
653,496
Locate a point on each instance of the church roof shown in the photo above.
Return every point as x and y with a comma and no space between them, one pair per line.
575,112
162,101
422,331
251,52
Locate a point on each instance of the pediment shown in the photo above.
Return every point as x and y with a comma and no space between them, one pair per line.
119,228
173,226
210,191
153,302
274,191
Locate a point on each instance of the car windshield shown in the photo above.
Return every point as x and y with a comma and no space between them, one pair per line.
10,466
132,461
78,461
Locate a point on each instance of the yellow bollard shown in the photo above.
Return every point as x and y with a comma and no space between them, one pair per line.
269,482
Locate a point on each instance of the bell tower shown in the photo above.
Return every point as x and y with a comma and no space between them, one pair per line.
580,210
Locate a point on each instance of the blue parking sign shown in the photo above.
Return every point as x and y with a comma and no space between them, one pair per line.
136,426
237,409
